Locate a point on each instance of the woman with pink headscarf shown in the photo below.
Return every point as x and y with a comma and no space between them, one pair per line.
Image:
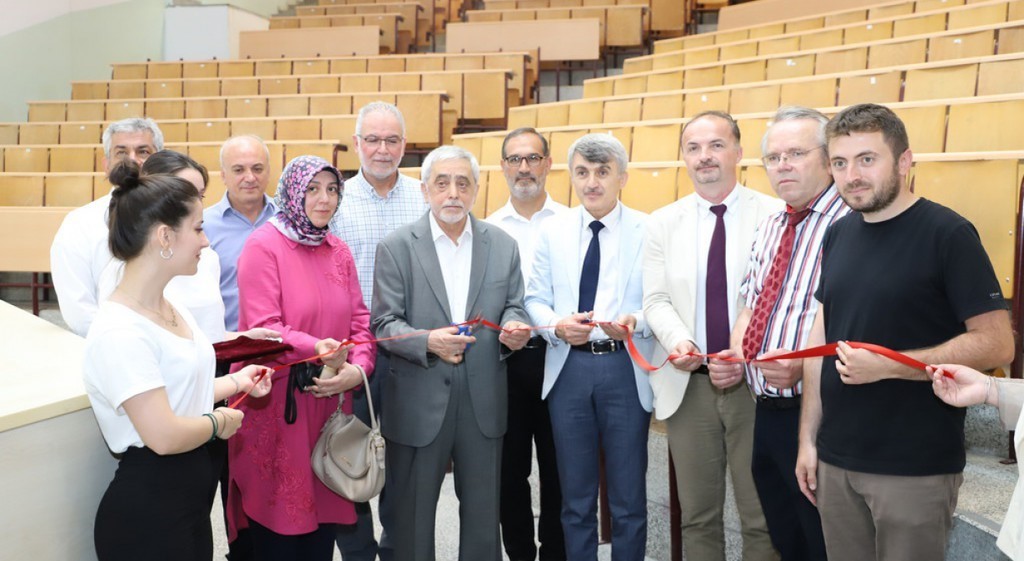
297,278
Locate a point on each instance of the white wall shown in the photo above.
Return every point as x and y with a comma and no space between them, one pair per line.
207,32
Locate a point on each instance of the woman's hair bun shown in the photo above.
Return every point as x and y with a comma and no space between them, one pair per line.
125,175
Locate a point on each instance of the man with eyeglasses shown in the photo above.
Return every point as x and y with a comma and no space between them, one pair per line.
694,258
525,161
779,309
377,200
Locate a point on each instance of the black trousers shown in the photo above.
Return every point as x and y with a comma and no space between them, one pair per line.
317,545
793,522
529,424
158,508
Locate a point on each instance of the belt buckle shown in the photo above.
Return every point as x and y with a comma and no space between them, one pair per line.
605,347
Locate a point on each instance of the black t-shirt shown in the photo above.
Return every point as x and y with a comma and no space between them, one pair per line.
906,283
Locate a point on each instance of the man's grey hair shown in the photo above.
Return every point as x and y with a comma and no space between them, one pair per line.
794,113
236,139
134,124
448,152
600,148
379,107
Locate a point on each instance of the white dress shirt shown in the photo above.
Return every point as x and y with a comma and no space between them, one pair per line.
85,274
525,231
606,301
456,264
705,230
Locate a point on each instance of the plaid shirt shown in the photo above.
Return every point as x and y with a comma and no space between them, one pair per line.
364,218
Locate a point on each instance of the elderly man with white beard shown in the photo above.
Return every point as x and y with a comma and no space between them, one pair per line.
525,160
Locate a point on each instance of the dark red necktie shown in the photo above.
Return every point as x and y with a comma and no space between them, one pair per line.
716,300
753,338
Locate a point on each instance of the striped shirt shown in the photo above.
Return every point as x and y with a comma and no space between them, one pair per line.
790,322
364,218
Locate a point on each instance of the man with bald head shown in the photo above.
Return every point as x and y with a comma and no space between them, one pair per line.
245,169
80,257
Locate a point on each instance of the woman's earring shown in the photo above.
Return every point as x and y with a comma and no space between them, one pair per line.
167,253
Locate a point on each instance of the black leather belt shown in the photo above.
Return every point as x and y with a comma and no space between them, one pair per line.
536,342
702,369
600,347
778,403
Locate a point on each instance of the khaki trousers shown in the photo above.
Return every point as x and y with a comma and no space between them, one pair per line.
867,516
712,430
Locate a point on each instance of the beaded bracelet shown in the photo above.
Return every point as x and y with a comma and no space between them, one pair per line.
213,421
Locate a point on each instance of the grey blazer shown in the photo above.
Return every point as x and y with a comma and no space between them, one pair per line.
408,295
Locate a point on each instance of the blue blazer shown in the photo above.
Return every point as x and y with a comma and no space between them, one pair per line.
553,289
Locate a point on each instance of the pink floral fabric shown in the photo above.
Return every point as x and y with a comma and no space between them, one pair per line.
291,218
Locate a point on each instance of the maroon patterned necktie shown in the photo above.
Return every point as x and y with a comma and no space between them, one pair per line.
753,338
716,299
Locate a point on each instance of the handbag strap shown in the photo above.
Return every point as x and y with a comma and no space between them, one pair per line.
369,397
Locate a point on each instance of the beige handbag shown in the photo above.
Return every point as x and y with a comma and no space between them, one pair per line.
349,456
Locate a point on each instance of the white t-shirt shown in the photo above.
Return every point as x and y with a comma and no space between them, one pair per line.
126,354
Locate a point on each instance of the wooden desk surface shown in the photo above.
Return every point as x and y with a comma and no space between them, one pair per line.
41,369
557,39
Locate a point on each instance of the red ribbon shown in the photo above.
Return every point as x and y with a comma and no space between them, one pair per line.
634,353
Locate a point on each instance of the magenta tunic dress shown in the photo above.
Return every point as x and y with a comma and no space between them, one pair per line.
307,293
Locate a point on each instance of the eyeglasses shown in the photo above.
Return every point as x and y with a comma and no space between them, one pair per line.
772,161
533,160
389,141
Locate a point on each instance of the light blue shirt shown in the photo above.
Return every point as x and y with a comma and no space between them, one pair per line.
227,230
364,218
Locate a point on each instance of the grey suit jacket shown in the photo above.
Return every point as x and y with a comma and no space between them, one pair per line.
408,295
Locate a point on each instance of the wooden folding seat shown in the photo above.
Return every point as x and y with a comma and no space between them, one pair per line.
199,69
240,86
465,62
560,142
668,61
43,111
929,23
208,155
313,22
354,65
137,71
868,33
703,56
167,109
39,133
381,64
622,110
288,106
494,187
72,158
288,22
717,100
305,67
815,93
318,84
81,133
209,131
339,128
163,89
821,39
471,144
665,81
926,127
1001,77
92,110
638,64
875,88
845,60
517,15
890,11
662,107
582,112
427,63
1011,38
331,105
298,128
273,67
903,53
737,51
447,82
261,127
624,27
992,208
981,43
113,110
756,177
704,77
164,70
246,107
23,190
174,131
983,127
601,87
206,108
654,142
778,45
522,116
490,150
88,90
397,82
200,88
936,83
726,37
767,30
68,190
790,67
744,72
9,132
752,130
627,85
236,69
976,16
354,83
754,99
844,18
423,118
488,101
624,134
650,188
805,25
929,5
279,86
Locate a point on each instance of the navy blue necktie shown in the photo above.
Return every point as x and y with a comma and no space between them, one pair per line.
716,301
591,269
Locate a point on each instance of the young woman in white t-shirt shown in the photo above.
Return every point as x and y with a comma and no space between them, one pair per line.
149,373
